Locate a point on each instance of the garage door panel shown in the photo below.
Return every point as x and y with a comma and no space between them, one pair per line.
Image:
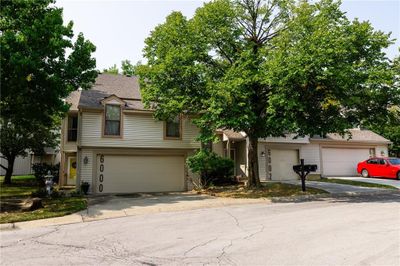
282,162
128,174
342,161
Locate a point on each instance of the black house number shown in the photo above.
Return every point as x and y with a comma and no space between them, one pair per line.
101,176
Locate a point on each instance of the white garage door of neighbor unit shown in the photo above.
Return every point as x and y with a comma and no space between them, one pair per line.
282,162
342,162
128,174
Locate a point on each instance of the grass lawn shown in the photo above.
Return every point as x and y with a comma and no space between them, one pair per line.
22,187
268,190
51,208
355,183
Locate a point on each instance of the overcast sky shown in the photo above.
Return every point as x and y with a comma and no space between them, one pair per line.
118,28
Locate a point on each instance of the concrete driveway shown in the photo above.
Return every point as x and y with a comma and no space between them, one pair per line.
353,230
383,181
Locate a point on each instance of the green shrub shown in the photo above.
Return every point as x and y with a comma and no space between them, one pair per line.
40,193
41,170
212,168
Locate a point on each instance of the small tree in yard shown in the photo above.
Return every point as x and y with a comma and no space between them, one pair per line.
266,68
36,75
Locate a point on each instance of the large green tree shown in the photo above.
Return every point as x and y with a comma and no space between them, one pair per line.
40,66
389,125
266,68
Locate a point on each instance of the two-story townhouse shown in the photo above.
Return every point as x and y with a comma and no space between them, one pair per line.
112,142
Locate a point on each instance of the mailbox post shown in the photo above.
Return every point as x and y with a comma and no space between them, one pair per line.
303,170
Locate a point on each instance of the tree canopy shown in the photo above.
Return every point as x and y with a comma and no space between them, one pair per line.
40,66
267,68
112,70
127,68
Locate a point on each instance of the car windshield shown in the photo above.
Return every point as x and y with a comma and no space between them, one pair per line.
395,161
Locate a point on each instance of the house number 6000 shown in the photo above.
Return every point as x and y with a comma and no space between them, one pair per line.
101,177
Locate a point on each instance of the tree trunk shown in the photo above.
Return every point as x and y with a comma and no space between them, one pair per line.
9,171
252,156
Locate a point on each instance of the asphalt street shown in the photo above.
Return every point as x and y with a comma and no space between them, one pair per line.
352,230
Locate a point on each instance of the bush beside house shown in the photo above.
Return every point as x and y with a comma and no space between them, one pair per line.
212,168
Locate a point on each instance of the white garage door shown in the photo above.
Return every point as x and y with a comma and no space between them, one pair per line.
128,174
282,162
341,161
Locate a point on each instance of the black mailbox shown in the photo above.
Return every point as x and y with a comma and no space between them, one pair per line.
303,170
306,168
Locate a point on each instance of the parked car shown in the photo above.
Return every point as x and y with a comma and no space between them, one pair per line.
380,167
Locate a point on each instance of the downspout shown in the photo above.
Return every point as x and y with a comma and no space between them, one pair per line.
79,150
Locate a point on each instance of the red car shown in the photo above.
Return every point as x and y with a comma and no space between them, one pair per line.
380,167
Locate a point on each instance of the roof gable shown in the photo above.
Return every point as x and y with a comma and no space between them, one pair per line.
112,99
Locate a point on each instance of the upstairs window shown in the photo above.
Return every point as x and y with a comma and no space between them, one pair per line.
112,126
173,128
72,128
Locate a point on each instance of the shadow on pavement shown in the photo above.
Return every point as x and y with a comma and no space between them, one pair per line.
378,197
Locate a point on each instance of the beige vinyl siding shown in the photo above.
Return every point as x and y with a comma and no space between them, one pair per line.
290,138
138,131
218,147
311,155
262,161
381,151
86,170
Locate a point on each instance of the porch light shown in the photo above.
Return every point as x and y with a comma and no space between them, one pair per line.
86,160
262,154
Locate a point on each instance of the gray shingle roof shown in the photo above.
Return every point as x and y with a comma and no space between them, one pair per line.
126,88
358,135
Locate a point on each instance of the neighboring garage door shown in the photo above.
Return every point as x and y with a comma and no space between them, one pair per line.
282,162
128,174
342,161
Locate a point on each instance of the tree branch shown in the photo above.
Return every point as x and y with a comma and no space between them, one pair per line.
246,27
2,166
271,7
224,53
272,35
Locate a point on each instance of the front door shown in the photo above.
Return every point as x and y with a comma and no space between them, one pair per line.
71,179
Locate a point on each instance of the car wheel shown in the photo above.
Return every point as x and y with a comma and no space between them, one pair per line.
398,175
364,173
